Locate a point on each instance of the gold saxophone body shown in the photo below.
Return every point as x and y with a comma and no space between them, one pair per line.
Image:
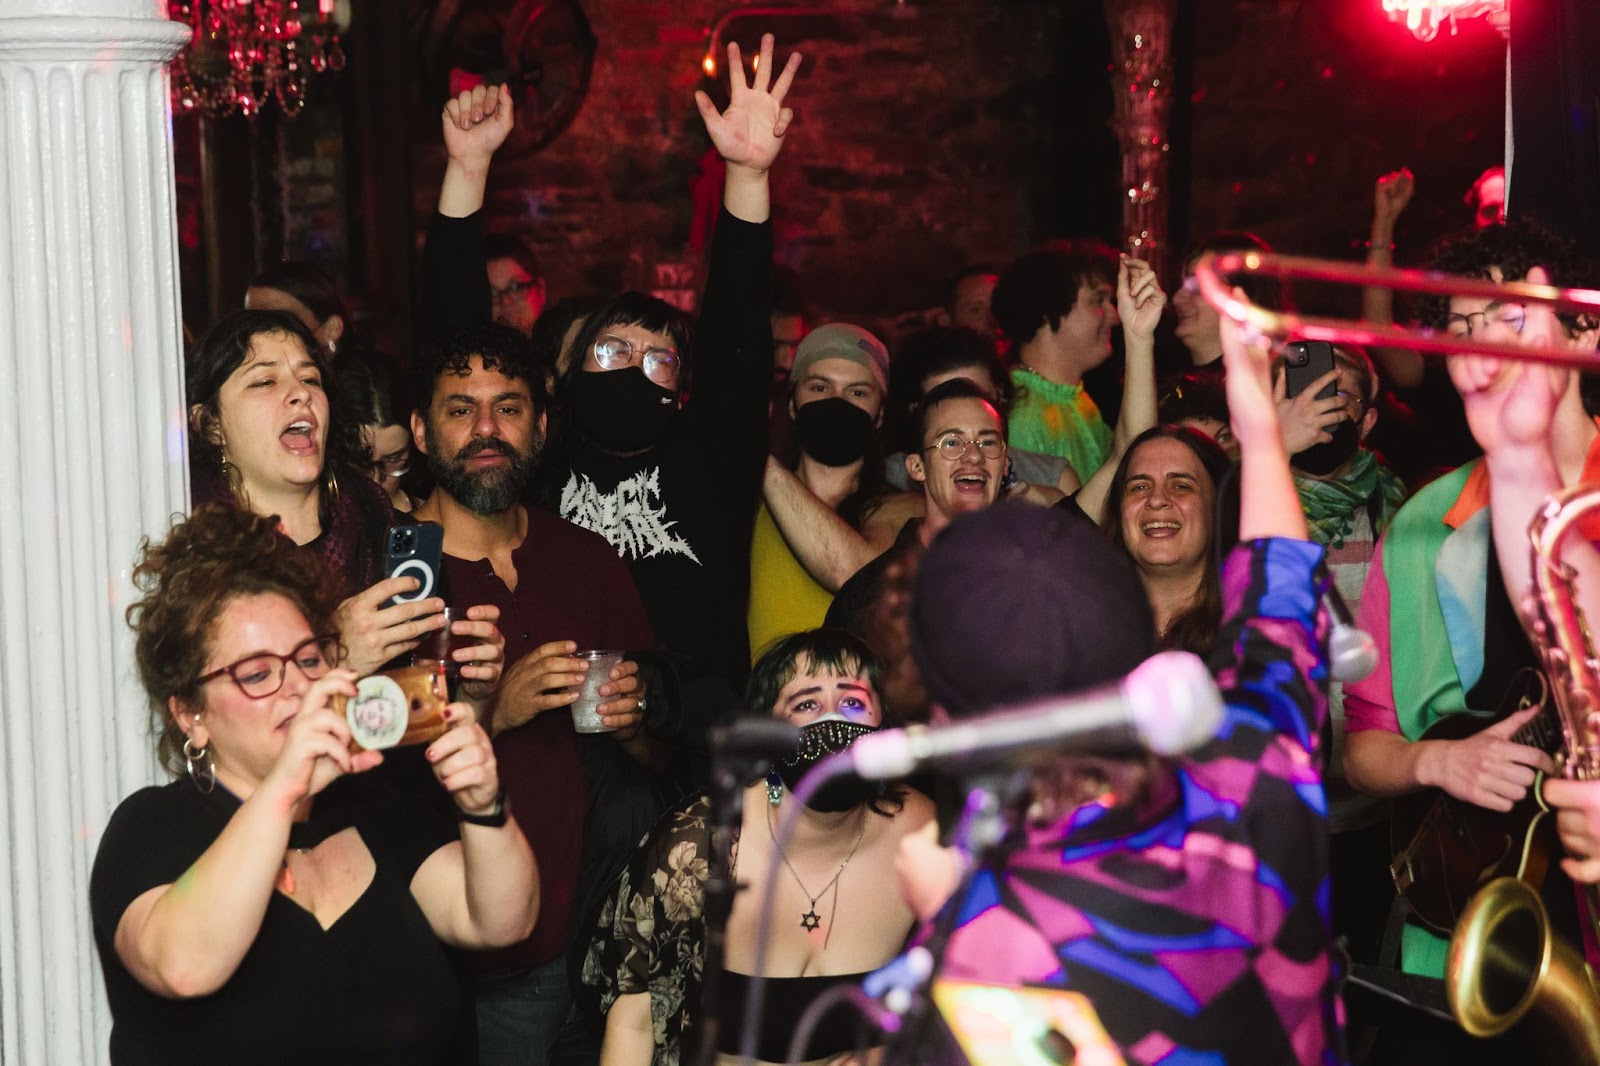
1504,961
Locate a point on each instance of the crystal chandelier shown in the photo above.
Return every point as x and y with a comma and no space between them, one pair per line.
1424,17
245,53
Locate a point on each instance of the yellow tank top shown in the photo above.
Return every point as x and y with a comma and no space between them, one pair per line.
783,597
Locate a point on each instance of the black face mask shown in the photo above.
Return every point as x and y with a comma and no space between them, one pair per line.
622,410
1320,460
817,741
834,432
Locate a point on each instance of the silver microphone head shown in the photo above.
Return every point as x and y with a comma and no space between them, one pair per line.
1352,655
1174,702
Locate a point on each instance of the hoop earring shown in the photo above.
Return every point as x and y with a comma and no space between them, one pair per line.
330,484
201,767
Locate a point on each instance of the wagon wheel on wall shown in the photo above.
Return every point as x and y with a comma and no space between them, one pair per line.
543,48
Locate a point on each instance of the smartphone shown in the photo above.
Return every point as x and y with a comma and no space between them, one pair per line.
1305,362
395,708
414,551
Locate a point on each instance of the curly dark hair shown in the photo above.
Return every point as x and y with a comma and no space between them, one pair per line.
215,556
1196,628
220,353
1041,287
1515,246
498,347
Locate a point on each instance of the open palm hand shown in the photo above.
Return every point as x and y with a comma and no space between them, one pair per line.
750,132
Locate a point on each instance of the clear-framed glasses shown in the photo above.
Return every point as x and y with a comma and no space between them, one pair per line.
261,675
513,292
1512,316
395,464
954,447
660,365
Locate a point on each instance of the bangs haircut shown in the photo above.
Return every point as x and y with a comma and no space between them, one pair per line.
221,352
833,652
634,309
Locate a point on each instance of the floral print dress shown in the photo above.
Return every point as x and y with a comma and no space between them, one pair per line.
651,933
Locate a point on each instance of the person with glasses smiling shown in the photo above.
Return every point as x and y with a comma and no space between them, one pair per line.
1434,601
276,902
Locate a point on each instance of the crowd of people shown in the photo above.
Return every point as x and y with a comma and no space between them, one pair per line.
848,533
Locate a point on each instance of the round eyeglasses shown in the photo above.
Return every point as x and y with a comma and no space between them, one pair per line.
660,365
261,675
1512,316
955,447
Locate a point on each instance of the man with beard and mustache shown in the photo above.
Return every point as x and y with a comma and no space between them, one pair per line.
560,590
820,522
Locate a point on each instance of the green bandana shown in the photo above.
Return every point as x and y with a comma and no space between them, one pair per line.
1331,506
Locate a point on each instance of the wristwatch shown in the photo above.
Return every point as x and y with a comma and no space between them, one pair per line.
495,818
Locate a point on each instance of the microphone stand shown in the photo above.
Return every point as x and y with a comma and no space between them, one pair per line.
730,774
979,836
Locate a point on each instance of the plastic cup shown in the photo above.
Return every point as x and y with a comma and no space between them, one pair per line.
441,642
586,709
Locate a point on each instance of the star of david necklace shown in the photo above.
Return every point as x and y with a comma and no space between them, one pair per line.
810,920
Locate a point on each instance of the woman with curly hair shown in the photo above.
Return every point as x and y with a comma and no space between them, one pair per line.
267,434
836,919
276,903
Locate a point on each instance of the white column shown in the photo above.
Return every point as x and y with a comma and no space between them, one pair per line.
91,460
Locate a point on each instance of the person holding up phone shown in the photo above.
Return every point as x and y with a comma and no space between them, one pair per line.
269,436
276,902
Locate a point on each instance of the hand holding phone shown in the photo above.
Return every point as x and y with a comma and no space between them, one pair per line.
415,551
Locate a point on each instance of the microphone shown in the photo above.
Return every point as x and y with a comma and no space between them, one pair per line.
1169,705
762,737
1352,655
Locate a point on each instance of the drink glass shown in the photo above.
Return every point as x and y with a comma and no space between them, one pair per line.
441,642
585,710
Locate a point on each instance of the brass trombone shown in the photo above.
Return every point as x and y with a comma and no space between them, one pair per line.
1213,271
1504,961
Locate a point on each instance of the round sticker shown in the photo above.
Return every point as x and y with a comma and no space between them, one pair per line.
378,714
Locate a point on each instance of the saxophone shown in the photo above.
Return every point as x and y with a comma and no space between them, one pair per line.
1504,960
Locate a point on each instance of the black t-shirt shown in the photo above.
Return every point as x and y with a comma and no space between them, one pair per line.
681,515
376,987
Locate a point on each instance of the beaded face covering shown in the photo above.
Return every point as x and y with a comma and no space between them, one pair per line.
828,737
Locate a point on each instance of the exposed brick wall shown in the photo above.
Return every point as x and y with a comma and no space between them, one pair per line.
915,148
1299,105
953,135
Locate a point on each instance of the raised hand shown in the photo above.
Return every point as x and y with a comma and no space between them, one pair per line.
1390,197
477,122
750,132
1139,298
1509,403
